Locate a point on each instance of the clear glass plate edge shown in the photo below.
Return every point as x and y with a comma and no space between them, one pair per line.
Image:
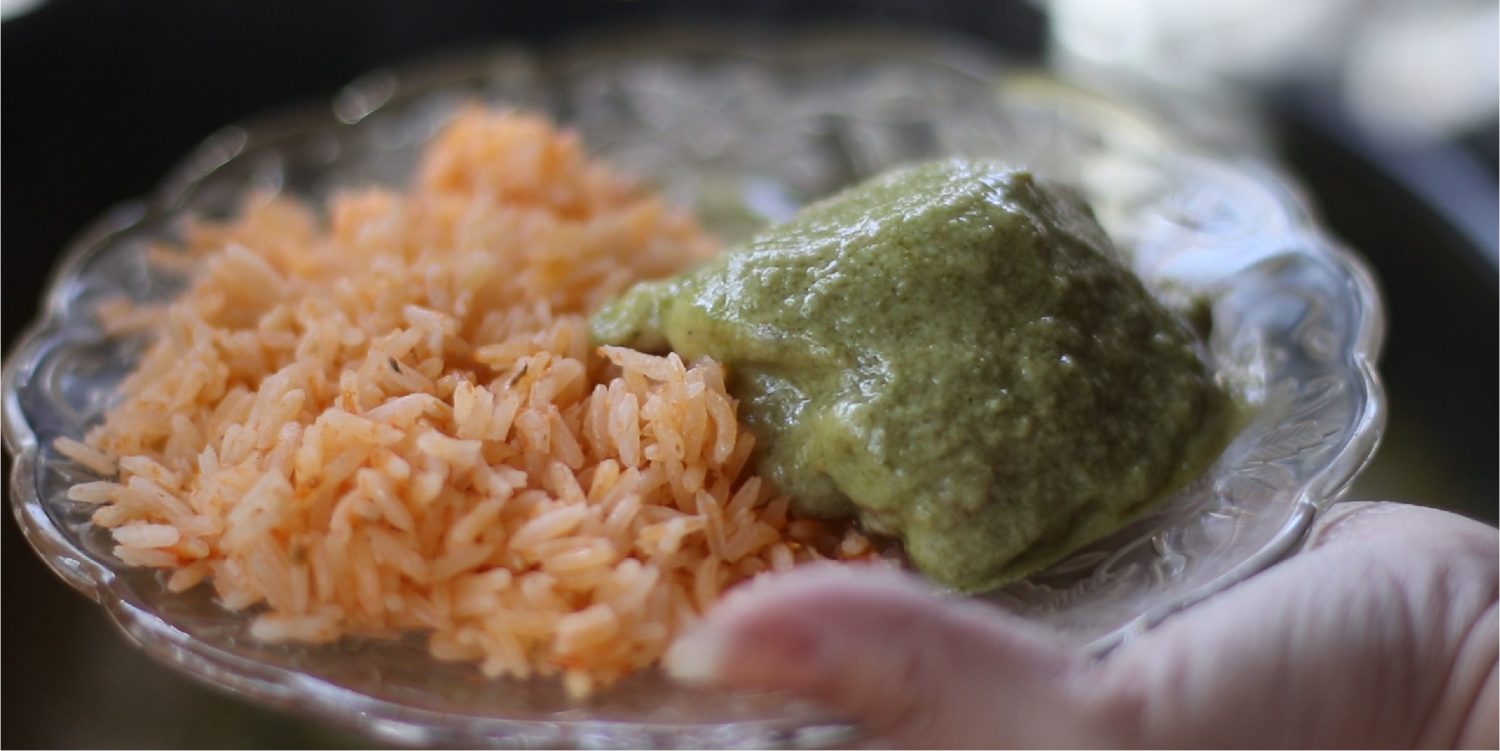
1327,487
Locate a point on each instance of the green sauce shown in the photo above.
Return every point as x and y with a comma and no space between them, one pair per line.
953,354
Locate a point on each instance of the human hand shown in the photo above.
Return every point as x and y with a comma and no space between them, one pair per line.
1382,632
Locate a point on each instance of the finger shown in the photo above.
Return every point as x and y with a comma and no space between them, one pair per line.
1357,641
883,648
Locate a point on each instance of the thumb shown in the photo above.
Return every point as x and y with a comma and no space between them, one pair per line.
883,648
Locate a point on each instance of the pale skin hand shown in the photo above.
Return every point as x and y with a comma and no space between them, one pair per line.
1382,632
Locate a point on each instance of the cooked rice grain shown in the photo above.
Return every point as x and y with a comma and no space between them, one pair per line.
390,419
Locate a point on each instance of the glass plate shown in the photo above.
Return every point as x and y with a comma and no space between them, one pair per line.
745,131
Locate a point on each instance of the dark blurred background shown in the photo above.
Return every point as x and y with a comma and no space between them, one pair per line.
1387,120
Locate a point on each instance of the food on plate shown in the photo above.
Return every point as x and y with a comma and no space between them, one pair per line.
953,354
387,415
395,413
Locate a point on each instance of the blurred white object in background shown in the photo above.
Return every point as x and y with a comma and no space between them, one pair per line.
1425,70
1195,43
11,8
1404,69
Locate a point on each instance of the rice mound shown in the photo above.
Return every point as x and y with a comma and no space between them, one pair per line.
388,418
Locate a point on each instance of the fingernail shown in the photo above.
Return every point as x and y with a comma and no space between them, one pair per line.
697,656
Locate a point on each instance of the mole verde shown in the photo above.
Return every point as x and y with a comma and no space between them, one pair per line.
953,354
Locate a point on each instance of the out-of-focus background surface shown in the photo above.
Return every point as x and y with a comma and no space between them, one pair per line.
1385,110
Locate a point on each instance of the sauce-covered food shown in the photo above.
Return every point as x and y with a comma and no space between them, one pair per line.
952,354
